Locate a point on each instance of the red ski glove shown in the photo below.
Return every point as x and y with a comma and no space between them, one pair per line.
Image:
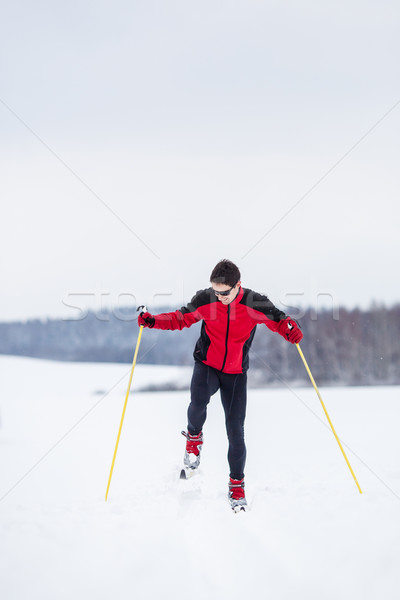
290,330
145,319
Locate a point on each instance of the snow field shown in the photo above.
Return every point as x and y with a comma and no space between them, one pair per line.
308,532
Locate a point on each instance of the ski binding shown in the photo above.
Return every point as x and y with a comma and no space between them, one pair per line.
238,505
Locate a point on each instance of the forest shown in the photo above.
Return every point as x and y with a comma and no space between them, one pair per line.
349,347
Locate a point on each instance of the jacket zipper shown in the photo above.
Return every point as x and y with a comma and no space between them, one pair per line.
226,339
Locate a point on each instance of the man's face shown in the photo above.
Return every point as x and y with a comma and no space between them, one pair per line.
221,287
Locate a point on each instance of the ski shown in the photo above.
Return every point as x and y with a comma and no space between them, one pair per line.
187,473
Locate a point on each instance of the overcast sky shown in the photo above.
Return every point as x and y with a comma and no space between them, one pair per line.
141,142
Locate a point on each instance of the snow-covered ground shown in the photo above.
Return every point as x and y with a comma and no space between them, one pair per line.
308,533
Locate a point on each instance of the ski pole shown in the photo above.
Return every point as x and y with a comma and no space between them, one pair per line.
143,309
327,416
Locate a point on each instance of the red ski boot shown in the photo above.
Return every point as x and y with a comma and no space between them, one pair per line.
236,494
191,460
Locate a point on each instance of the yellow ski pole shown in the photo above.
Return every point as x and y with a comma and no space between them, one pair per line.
327,416
124,409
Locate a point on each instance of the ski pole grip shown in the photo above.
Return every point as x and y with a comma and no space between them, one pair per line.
141,309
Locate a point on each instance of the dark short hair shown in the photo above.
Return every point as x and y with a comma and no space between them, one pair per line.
225,272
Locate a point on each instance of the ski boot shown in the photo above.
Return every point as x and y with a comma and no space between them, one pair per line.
191,460
236,494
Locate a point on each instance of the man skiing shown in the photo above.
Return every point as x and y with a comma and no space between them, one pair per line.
230,315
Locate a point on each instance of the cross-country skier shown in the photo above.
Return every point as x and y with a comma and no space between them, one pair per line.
230,315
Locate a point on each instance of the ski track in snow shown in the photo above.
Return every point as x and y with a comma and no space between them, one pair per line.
308,533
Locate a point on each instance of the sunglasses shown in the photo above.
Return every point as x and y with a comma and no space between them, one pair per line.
226,293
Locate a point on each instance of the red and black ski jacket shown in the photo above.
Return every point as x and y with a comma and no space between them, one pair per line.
227,330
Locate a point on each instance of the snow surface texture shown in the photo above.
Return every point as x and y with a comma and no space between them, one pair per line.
308,533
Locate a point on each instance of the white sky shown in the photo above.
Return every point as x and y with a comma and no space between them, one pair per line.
141,142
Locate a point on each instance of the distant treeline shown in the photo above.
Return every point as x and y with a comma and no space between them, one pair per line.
350,347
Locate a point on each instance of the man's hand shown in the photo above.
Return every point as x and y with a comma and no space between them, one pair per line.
290,330
145,319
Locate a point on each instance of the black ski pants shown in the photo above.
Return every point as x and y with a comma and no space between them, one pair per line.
205,382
